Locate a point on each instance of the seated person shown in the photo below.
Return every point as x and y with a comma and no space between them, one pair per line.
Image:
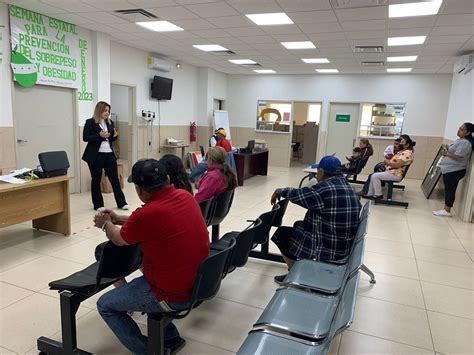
366,148
388,153
218,178
218,139
176,172
173,237
354,159
394,169
331,220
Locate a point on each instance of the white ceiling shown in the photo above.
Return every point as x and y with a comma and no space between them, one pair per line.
334,32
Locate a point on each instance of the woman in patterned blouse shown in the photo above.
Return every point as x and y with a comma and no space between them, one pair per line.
394,168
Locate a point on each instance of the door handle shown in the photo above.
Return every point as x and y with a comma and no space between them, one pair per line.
21,141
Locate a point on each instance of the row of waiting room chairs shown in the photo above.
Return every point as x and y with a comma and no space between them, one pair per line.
227,253
116,263
314,304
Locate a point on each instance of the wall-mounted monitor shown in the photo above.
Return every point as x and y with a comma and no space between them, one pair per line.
161,88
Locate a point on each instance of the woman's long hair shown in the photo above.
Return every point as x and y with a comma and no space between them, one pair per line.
370,149
470,128
175,169
410,143
99,109
217,155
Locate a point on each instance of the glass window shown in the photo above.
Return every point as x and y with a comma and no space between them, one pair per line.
314,113
273,116
381,120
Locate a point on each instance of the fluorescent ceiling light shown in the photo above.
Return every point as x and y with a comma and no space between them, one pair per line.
242,61
210,47
315,60
264,71
424,8
406,41
398,70
327,70
298,45
405,58
160,26
278,18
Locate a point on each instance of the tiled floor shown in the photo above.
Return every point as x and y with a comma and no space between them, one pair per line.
422,302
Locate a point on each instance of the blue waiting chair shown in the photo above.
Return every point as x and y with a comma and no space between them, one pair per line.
329,277
266,341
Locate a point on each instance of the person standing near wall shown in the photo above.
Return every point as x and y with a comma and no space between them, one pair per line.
99,133
454,164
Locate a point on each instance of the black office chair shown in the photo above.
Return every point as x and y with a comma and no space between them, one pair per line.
220,208
206,210
267,222
114,264
296,149
278,220
352,175
244,243
208,282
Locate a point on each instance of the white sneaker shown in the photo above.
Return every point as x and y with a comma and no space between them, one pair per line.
125,207
442,213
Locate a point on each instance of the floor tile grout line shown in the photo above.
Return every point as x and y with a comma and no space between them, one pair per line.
394,341
3,346
422,293
457,237
236,302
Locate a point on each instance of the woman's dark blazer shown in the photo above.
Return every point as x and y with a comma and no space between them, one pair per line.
91,135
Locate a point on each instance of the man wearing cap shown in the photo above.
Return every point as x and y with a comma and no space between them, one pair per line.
218,139
173,237
331,220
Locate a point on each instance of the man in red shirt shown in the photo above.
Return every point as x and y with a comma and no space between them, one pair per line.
222,141
173,237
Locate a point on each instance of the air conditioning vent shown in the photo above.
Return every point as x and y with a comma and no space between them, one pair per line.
135,15
378,63
352,4
369,49
256,65
228,52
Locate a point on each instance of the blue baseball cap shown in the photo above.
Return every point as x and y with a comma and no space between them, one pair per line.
328,163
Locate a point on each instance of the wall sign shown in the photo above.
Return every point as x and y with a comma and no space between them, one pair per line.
343,117
47,51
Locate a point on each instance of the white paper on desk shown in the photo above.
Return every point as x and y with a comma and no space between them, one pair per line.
11,179
20,171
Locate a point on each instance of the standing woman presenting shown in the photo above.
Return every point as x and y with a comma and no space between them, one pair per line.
99,133
454,164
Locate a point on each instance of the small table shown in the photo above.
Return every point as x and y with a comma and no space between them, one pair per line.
182,146
310,174
250,164
44,201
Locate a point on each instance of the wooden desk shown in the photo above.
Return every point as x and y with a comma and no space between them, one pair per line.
250,164
44,201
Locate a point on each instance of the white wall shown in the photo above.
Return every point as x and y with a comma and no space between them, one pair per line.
128,67
6,116
461,104
426,96
119,101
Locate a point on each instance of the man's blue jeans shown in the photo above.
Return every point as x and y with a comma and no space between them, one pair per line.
199,170
134,296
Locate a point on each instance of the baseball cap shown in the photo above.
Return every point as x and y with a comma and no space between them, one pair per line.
329,163
221,131
148,173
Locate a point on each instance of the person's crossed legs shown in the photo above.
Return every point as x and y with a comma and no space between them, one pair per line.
134,296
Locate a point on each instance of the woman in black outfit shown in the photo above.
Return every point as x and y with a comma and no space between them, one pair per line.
99,133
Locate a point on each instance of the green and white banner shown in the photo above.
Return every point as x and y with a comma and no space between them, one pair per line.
48,51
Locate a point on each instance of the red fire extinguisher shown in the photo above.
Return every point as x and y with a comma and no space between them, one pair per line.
193,132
